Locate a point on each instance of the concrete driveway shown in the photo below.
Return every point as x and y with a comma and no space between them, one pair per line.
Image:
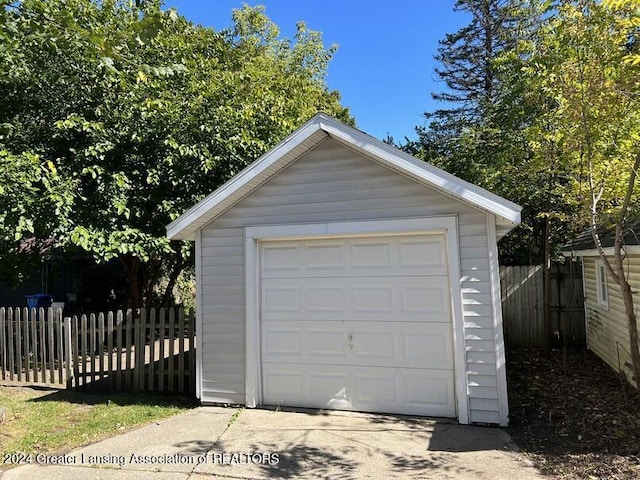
212,442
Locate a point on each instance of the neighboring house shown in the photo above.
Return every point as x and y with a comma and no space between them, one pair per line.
339,272
607,331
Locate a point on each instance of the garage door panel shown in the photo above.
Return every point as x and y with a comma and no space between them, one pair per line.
433,348
389,299
423,254
322,257
283,341
433,393
407,345
281,258
371,254
326,298
281,298
354,257
331,387
367,389
283,384
376,299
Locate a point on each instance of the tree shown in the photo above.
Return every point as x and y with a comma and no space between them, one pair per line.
583,65
143,113
479,134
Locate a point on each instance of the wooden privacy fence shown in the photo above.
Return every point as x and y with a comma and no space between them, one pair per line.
522,291
147,350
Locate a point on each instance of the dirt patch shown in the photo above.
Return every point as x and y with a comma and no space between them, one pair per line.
578,420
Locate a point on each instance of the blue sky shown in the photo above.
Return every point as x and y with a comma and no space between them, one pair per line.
384,67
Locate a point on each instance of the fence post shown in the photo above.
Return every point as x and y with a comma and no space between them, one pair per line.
10,337
90,360
60,344
181,340
118,347
129,350
138,359
101,347
68,359
110,330
3,344
192,352
51,351
162,337
19,346
75,350
172,335
152,348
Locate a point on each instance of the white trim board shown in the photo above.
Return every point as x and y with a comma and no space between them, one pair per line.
254,235
501,357
608,251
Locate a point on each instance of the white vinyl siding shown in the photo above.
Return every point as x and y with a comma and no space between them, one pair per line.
331,184
607,327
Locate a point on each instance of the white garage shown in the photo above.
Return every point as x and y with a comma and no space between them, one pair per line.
338,272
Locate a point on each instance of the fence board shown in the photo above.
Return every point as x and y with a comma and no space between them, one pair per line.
59,347
118,346
172,332
128,351
152,348
192,353
110,333
83,350
50,342
11,344
3,344
67,351
161,362
42,357
181,340
101,353
19,339
522,290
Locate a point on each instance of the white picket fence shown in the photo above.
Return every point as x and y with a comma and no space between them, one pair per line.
145,350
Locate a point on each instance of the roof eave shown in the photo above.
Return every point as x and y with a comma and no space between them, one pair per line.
426,173
184,227
608,251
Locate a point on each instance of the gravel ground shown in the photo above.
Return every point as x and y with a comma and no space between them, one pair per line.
578,420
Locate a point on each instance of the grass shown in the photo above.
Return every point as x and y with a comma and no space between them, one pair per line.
56,421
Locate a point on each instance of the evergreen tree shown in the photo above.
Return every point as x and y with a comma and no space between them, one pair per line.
478,135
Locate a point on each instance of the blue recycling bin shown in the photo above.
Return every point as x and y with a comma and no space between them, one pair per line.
39,300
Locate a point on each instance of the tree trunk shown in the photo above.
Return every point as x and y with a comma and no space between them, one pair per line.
546,315
632,324
132,267
173,278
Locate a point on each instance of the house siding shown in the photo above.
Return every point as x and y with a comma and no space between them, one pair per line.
607,331
330,184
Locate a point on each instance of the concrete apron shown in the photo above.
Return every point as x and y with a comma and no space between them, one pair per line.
212,442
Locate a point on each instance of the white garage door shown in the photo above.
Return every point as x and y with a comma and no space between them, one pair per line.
357,324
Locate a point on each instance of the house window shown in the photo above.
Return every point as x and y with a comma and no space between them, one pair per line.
601,284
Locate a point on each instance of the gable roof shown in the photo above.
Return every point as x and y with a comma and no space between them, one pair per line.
309,135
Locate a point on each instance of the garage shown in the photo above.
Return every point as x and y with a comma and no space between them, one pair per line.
357,324
338,272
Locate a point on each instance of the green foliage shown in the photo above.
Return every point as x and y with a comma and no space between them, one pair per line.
591,123
479,135
134,114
